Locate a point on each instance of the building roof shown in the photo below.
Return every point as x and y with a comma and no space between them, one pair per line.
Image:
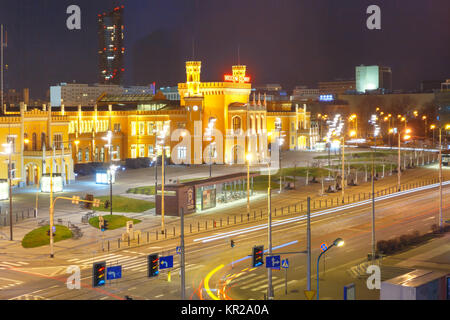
416,278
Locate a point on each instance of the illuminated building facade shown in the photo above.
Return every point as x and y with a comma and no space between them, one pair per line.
111,48
218,122
33,134
373,78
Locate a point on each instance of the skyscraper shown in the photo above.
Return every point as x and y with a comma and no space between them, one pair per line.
111,49
375,77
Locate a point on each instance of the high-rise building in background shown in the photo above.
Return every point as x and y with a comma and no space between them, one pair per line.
111,48
369,78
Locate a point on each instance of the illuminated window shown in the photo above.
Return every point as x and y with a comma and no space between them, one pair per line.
116,127
133,128
117,154
86,155
141,151
102,154
150,150
236,123
182,153
141,128
133,151
80,156
150,128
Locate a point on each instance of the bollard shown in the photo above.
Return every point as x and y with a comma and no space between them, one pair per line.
128,241
108,245
138,239
206,225
254,215
156,235
190,228
198,226
241,217
228,221
118,243
301,207
221,222
234,219
148,237
165,233
174,231
248,217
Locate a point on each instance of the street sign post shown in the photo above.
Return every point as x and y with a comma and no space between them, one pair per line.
166,262
285,263
273,262
113,273
349,292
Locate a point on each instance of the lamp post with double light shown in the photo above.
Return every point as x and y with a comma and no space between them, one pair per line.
8,151
399,170
162,144
336,243
441,217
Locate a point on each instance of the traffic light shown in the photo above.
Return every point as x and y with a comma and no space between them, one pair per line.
258,255
105,225
107,204
232,243
99,274
153,265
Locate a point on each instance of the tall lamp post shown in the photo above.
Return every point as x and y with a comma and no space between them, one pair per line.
269,235
8,151
441,218
248,157
109,145
338,243
162,138
399,168
343,168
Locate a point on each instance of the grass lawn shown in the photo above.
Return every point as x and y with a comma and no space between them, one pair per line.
123,204
38,237
114,221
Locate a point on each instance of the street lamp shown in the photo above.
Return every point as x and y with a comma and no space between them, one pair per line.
209,133
336,243
162,137
248,157
406,137
269,234
109,145
8,151
432,127
441,219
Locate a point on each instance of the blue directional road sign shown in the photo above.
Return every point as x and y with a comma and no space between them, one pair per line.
273,262
113,273
285,263
166,262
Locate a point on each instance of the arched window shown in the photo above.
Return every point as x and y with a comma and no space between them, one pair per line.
43,141
236,123
86,155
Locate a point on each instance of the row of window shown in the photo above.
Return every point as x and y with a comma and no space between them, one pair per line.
148,128
87,126
99,154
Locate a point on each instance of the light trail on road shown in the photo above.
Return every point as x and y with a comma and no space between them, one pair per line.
317,214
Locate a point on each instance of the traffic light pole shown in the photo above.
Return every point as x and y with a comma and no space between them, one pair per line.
269,217
182,263
308,244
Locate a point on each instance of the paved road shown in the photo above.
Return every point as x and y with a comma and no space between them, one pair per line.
394,217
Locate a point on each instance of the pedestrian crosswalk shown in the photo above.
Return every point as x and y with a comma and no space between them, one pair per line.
8,265
28,297
258,283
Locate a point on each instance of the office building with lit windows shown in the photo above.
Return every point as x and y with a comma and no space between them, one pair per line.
111,47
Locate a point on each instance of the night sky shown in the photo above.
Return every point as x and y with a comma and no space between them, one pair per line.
290,42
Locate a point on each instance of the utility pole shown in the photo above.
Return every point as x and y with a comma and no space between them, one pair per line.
182,263
399,168
343,168
269,222
441,221
373,204
308,244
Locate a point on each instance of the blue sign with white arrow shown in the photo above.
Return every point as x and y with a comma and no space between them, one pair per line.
285,263
113,273
166,262
273,262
